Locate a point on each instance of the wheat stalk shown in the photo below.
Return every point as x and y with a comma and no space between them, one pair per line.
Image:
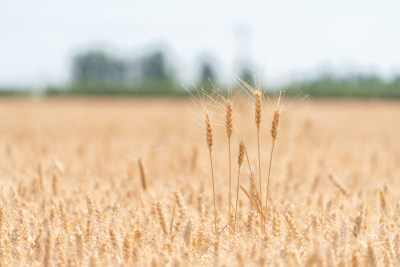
229,127
142,174
274,133
242,149
209,138
48,250
127,247
161,218
252,180
258,103
338,185
257,205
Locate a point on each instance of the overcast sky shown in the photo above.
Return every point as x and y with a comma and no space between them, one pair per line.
291,38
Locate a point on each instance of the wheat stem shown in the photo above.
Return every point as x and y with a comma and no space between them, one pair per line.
209,138
259,162
237,197
274,133
252,180
252,202
230,183
269,174
212,177
229,127
142,174
258,103
242,149
259,172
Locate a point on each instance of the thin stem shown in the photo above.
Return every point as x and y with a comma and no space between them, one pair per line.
230,182
212,177
237,198
269,174
259,161
252,180
259,171
252,202
171,224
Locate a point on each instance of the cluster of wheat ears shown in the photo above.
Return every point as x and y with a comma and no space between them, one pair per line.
256,198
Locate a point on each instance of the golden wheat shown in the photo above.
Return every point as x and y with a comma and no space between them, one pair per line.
258,104
274,133
209,137
142,174
93,214
242,149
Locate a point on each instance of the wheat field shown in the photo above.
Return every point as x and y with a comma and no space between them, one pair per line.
126,182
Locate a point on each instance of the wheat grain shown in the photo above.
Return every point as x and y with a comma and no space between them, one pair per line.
276,225
383,200
142,174
275,123
55,183
229,119
293,232
358,223
209,133
61,257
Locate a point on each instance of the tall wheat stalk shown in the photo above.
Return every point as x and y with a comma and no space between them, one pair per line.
209,138
258,102
229,126
274,133
242,149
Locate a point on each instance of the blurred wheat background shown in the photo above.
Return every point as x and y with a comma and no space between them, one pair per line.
72,191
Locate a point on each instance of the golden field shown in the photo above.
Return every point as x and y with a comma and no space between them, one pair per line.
72,191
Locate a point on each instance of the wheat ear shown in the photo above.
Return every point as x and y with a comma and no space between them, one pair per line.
142,174
209,136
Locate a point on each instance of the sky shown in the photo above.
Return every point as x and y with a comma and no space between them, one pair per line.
283,40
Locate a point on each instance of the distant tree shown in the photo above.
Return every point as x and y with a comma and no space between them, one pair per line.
153,66
247,76
207,72
395,84
98,67
352,86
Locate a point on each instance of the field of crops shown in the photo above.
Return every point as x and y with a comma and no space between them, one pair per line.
127,182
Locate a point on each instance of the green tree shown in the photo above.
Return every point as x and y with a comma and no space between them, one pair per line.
153,66
207,72
96,67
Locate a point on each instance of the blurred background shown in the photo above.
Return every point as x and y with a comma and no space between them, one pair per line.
322,48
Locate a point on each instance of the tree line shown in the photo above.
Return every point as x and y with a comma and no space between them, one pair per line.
100,72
